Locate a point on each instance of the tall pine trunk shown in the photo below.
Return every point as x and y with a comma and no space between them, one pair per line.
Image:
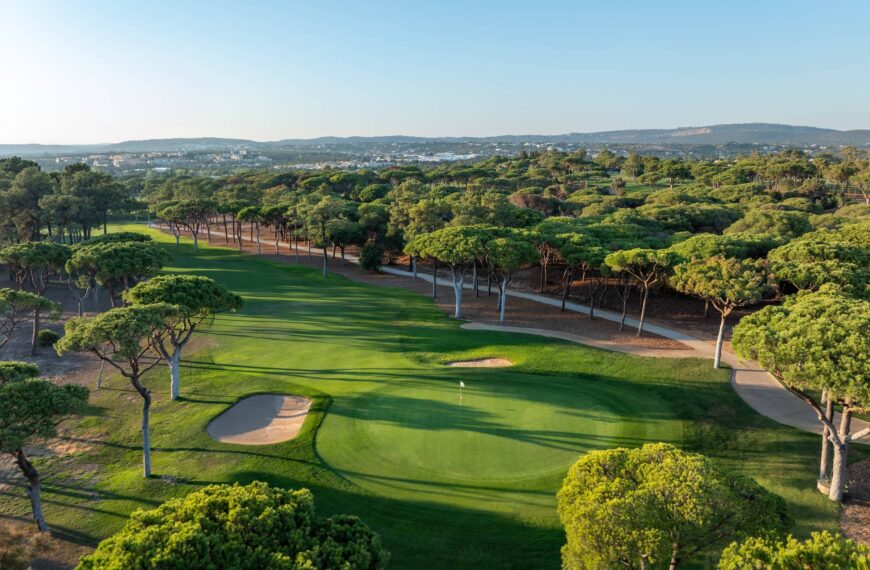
841,451
146,432
642,310
824,461
33,488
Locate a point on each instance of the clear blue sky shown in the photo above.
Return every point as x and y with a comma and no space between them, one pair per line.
105,71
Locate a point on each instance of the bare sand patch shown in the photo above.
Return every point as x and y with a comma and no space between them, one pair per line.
482,363
261,420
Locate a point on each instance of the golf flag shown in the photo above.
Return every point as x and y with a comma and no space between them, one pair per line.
461,384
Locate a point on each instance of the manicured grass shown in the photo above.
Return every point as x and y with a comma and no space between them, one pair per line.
447,485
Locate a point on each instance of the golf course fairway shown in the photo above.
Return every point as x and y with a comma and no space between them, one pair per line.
447,483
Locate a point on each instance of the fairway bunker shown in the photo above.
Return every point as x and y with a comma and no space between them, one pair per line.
261,420
482,363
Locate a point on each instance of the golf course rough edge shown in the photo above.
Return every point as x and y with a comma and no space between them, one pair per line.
260,420
481,363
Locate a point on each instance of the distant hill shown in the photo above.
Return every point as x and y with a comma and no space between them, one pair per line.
748,133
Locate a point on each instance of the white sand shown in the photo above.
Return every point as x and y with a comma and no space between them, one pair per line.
482,363
260,420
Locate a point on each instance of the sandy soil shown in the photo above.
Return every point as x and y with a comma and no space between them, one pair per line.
261,420
855,522
482,363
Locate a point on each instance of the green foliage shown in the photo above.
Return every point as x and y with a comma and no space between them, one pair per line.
457,246
645,265
46,338
36,261
726,283
507,254
775,223
117,265
13,371
195,296
247,527
32,408
370,257
641,507
738,246
18,306
823,551
813,341
578,250
824,257
125,328
345,232
113,237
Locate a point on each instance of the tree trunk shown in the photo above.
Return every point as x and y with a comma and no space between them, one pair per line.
325,256
414,265
146,434
566,287
458,285
502,291
674,558
175,373
34,337
474,278
100,375
435,278
826,444
625,294
226,230
642,310
838,469
258,239
717,360
33,490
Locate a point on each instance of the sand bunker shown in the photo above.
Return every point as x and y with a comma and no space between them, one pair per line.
482,363
260,420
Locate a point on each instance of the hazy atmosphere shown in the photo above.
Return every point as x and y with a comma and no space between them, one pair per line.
98,72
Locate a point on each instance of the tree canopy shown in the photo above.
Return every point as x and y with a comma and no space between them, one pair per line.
655,507
248,527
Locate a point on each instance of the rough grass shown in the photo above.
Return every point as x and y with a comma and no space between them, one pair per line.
447,485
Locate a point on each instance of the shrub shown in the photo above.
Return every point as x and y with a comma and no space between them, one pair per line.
47,337
370,256
244,527
824,551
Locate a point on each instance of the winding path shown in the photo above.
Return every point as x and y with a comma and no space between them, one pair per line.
760,390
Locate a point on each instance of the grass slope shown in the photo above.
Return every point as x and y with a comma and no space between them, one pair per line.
447,485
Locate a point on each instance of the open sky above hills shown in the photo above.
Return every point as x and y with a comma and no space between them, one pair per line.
98,71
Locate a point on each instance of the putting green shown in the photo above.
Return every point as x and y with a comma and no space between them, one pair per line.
510,431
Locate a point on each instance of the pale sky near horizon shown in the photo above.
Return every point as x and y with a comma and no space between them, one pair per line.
80,71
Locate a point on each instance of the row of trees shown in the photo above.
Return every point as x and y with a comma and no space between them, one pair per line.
152,320
65,206
155,323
